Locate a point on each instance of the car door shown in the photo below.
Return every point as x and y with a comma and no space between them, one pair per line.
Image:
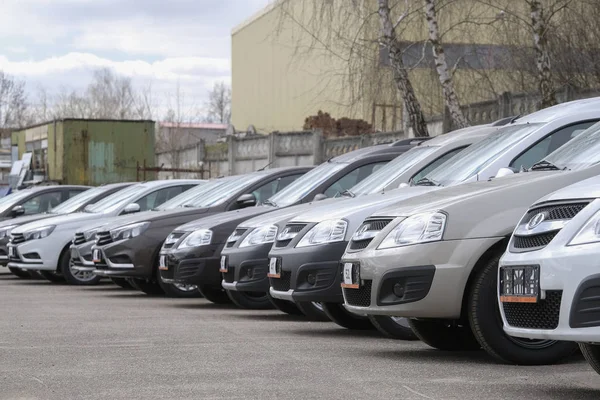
161,195
42,202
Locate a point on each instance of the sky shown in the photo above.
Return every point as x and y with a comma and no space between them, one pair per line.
57,44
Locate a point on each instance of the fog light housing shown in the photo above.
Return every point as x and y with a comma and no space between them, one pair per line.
399,289
249,273
311,278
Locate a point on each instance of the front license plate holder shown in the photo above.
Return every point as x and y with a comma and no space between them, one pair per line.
11,252
351,276
274,269
96,256
162,263
224,267
520,284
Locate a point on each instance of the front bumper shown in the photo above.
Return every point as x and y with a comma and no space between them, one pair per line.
4,252
569,308
131,258
247,268
192,266
431,276
309,273
39,254
81,257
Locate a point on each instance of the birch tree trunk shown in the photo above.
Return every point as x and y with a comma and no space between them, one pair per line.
441,66
540,41
390,42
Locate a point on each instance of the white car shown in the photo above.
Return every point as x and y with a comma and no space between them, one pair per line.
44,245
551,291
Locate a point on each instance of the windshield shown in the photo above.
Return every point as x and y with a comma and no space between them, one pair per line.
477,156
581,152
298,189
8,201
115,200
76,202
221,193
392,171
191,195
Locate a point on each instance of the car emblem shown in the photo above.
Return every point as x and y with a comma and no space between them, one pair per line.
363,229
535,221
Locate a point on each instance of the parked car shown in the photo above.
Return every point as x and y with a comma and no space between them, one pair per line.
44,245
130,247
549,279
74,204
85,238
299,259
436,259
185,262
245,257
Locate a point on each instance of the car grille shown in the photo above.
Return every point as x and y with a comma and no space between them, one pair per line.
79,239
237,233
360,297
291,228
77,262
368,226
229,276
17,238
174,238
282,284
541,315
562,212
103,238
186,271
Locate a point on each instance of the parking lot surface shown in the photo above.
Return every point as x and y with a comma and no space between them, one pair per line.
65,342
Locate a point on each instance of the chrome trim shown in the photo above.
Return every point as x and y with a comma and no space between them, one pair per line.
282,295
544,227
229,286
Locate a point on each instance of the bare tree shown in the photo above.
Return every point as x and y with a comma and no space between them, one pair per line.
539,25
13,102
110,95
445,77
219,104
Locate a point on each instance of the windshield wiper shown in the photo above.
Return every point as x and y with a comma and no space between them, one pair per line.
189,206
347,193
427,182
545,165
270,203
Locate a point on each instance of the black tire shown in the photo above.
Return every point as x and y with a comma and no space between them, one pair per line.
250,300
338,314
52,276
214,295
591,352
445,335
124,283
151,288
313,311
486,323
171,290
35,274
21,273
392,328
74,277
285,306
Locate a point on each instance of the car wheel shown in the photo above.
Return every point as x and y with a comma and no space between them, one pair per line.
338,314
393,327
179,290
285,306
444,335
21,273
52,276
74,277
124,283
313,311
486,324
250,300
591,352
151,288
214,295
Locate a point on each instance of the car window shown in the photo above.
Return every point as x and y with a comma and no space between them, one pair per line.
42,202
269,189
75,192
158,197
352,178
546,146
286,180
436,163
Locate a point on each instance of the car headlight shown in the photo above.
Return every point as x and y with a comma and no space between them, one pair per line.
90,234
39,233
129,231
5,231
419,228
201,237
329,231
589,233
265,234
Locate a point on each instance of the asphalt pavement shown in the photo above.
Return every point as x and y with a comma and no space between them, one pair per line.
103,342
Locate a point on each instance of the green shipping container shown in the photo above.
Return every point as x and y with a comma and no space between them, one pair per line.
90,152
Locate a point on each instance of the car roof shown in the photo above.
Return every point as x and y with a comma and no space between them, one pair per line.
52,187
277,170
561,110
163,182
473,132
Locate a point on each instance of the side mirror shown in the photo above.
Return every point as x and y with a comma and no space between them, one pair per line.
131,208
403,185
504,172
319,197
247,200
17,211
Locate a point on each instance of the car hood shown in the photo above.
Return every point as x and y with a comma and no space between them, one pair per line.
223,218
284,214
586,189
151,216
78,217
25,219
320,213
